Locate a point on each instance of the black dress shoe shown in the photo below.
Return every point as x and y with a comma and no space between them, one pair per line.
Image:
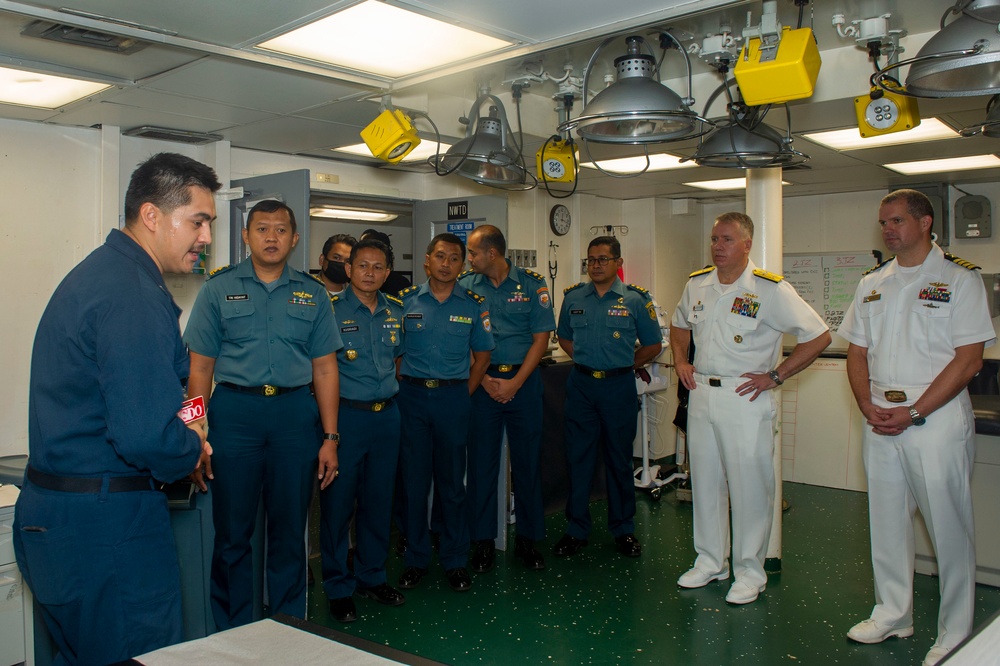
411,577
483,556
628,545
568,546
384,594
343,609
525,551
459,579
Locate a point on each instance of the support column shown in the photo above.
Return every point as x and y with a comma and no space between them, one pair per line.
764,208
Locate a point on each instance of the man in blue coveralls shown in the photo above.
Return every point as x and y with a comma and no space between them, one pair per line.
91,533
510,397
598,326
442,322
371,327
265,331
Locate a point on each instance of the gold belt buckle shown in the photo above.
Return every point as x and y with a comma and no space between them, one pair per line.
505,368
598,374
270,390
431,383
377,406
895,396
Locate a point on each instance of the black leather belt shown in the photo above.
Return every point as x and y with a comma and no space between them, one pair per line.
82,484
714,381
432,383
602,374
373,406
266,390
504,367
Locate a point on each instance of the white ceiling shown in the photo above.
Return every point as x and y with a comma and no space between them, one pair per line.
201,73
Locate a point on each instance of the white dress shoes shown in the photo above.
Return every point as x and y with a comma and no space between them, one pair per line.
695,577
936,654
870,631
743,593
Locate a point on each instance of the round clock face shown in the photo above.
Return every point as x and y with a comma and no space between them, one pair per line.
553,168
881,113
560,220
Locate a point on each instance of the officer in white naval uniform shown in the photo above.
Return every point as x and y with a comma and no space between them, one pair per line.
737,314
917,328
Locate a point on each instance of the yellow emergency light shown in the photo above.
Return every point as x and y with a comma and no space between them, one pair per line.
391,136
559,165
779,73
885,113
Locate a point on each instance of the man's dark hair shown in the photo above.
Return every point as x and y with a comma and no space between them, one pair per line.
272,206
346,239
917,203
377,235
491,238
446,238
372,243
163,180
616,247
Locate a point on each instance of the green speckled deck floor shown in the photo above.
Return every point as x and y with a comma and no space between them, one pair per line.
600,608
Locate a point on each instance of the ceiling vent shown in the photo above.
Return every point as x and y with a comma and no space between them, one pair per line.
169,134
67,34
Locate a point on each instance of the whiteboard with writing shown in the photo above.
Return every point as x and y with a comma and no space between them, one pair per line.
827,281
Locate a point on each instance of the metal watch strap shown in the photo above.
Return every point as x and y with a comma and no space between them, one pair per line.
332,436
775,378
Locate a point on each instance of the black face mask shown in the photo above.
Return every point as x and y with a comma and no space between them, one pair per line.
335,273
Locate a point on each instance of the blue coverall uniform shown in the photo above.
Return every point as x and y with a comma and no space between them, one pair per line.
106,385
264,427
520,306
601,396
369,443
435,407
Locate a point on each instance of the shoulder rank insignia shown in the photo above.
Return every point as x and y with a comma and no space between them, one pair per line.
706,269
465,273
316,277
408,291
476,297
533,274
635,287
571,288
393,299
335,298
961,262
767,275
878,266
220,269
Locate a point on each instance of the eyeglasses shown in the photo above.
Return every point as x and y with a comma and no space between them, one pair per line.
600,261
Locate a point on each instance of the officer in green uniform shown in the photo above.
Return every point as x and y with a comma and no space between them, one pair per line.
599,323
371,326
442,324
265,331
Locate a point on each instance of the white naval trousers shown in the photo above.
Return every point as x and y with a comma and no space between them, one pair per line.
927,467
731,445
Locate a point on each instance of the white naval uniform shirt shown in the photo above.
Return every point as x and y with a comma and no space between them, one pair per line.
737,327
911,327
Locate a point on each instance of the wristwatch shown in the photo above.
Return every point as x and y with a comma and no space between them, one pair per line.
332,436
775,378
915,416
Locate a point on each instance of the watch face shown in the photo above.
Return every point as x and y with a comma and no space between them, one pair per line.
560,220
553,168
882,113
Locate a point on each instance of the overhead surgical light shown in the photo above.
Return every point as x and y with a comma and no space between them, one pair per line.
989,127
961,60
391,136
486,154
637,108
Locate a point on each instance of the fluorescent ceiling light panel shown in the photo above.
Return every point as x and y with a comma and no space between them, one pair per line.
950,164
657,162
361,214
385,40
725,184
929,129
43,91
426,148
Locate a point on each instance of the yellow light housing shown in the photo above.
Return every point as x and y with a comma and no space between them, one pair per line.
391,136
885,114
561,158
780,74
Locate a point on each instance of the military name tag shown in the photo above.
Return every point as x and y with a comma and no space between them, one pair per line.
895,396
349,329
